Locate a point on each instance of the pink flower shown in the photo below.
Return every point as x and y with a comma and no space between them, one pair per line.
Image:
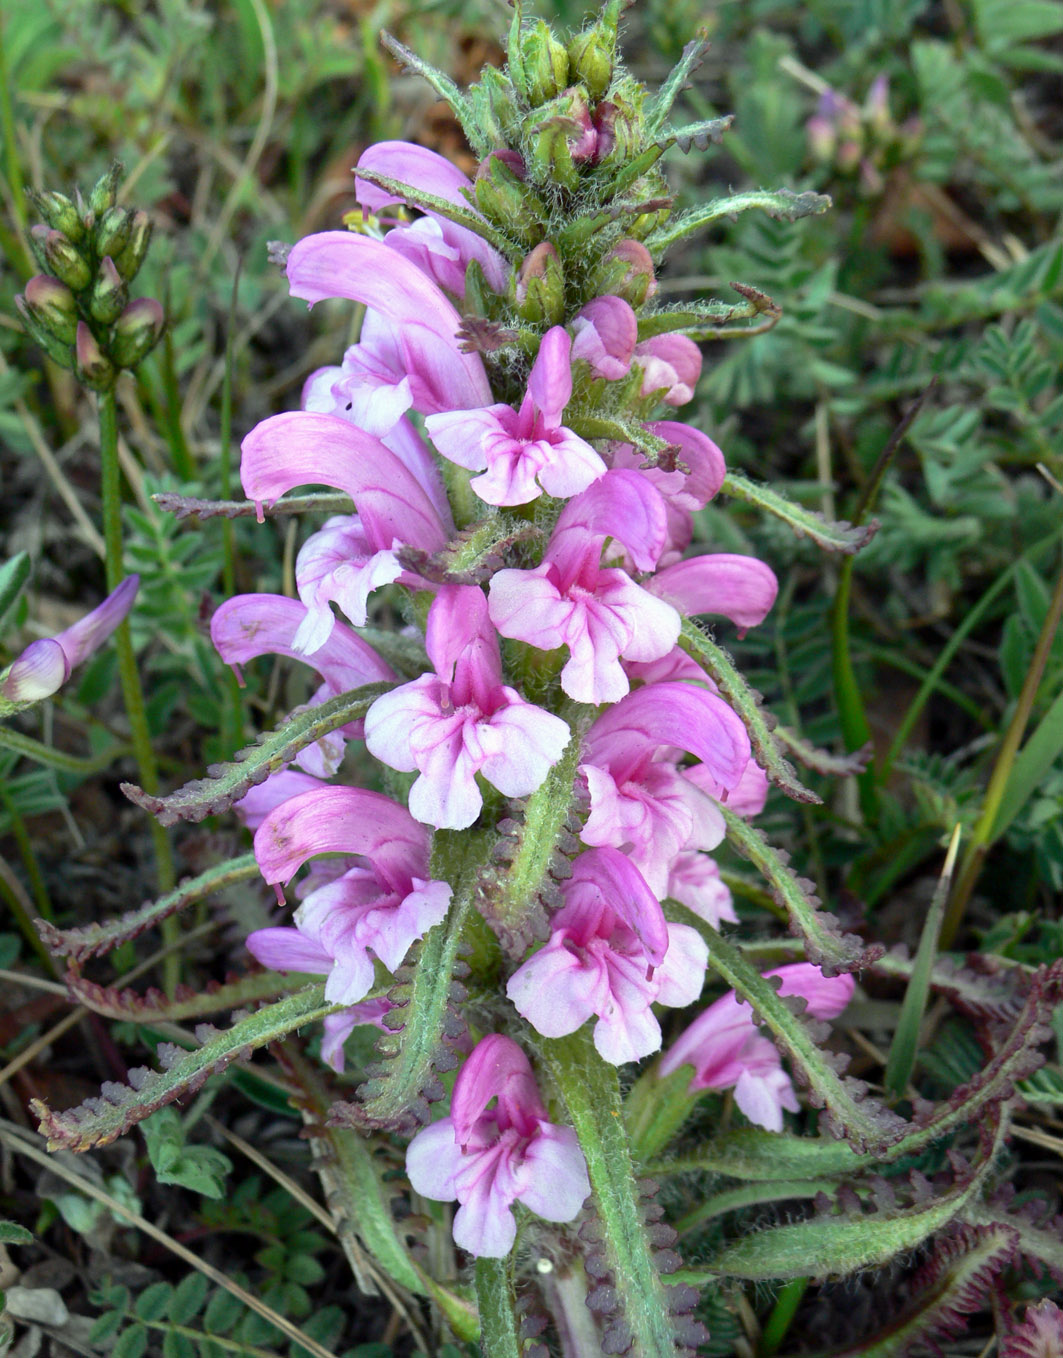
380,908
598,612
671,366
489,1158
640,801
605,332
45,665
741,588
435,244
338,1028
611,953
250,625
694,881
462,720
727,1050
423,324
526,451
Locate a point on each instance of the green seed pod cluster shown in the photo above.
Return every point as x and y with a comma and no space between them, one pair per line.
78,308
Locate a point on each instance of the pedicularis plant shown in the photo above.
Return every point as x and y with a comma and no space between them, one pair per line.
561,746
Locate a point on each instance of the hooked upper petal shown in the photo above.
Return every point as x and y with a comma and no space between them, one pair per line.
742,588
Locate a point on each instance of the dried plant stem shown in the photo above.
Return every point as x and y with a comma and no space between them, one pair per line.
132,692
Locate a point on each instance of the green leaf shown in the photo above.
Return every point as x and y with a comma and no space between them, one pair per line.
782,204
443,207
1032,763
202,1169
222,1313
154,1302
101,1120
831,537
11,1233
104,1327
227,783
131,1343
189,1298
13,577
746,702
91,940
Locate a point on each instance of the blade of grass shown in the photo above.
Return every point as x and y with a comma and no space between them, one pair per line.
982,836
1031,764
905,1044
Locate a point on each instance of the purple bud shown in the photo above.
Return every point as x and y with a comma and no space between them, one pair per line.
627,272
540,286
52,306
93,367
44,666
109,293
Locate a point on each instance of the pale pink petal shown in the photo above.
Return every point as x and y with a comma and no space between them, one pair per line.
433,1161
286,949
394,930
617,881
827,996
529,606
496,1067
556,991
694,881
41,670
461,435
483,1224
681,975
557,1184
532,742
762,1097
395,716
700,454
570,465
671,364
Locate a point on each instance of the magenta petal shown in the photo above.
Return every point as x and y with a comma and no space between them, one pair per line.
625,891
303,447
622,505
250,625
411,164
671,714
286,949
342,820
496,1067
279,787
550,380
457,619
827,996
342,264
741,588
701,455
606,331
89,633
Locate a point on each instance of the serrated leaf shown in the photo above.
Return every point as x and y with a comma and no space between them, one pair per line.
831,537
186,1003
100,1120
91,940
782,204
834,1247
746,703
227,783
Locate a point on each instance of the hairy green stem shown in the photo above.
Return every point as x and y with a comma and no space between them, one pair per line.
590,1089
58,759
499,1335
132,693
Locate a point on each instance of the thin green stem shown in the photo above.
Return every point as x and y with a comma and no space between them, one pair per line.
132,693
12,891
12,167
29,857
982,835
781,1318
58,759
499,1335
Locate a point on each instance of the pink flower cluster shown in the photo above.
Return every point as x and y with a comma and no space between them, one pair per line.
409,409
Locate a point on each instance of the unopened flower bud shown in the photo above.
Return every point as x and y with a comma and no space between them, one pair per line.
627,272
626,121
109,293
59,212
877,107
540,287
130,259
848,156
551,140
112,231
52,306
137,331
590,59
59,257
104,191
93,367
545,64
495,107
60,351
504,198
